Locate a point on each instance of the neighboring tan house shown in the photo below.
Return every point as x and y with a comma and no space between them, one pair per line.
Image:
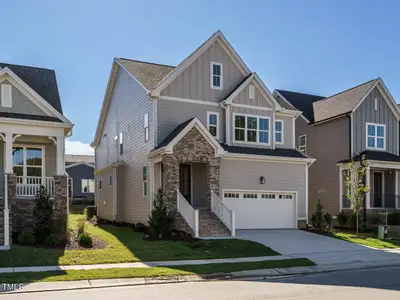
210,134
80,169
363,120
32,142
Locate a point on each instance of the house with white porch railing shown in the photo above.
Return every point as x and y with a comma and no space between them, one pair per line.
32,147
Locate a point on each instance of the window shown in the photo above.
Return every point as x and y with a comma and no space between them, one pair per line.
279,131
285,196
375,136
231,195
87,185
146,127
303,143
250,196
213,123
111,183
268,196
6,95
216,76
145,181
251,129
100,185
28,161
121,144
252,91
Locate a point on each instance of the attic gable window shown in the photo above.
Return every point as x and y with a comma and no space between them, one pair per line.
6,95
216,75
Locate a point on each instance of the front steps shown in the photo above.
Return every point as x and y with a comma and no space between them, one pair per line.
211,225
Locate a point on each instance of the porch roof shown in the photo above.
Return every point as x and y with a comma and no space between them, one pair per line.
283,152
374,155
29,117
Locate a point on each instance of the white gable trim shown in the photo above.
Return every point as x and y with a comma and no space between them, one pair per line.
32,95
277,94
216,37
196,123
385,94
260,86
78,164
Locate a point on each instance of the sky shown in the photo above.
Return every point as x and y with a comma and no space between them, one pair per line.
318,47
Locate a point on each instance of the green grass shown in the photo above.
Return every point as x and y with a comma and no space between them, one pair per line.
150,272
125,245
366,239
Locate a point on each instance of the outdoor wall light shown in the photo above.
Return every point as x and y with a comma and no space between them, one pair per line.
262,180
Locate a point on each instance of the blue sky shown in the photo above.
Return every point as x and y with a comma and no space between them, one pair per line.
319,47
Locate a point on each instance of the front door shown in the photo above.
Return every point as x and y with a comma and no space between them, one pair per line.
185,181
378,189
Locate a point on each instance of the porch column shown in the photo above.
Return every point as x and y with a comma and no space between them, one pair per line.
396,186
368,183
8,158
340,188
60,155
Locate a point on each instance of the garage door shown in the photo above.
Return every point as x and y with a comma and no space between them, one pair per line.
262,210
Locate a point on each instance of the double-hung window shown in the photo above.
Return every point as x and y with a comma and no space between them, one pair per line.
303,143
144,181
213,123
87,185
376,136
279,131
216,76
146,127
251,129
28,161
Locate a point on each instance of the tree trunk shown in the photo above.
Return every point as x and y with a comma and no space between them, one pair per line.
357,223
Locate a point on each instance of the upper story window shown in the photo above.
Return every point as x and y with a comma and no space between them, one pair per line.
213,123
145,181
6,95
216,75
146,127
279,131
121,144
251,129
303,143
376,136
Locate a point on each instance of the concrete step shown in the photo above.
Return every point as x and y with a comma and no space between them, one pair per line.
211,225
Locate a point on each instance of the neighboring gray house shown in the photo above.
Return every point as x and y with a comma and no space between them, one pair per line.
32,145
81,176
363,120
210,134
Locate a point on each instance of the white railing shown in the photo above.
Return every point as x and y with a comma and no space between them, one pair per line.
27,186
190,215
226,215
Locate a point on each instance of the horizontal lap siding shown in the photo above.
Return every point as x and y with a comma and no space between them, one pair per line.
104,199
245,175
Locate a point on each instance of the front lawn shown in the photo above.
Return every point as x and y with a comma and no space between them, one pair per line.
151,272
125,245
366,239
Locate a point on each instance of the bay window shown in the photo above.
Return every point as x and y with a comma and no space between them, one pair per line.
28,161
251,129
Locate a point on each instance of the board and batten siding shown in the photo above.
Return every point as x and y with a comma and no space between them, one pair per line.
244,97
195,83
172,113
20,103
245,175
128,104
383,115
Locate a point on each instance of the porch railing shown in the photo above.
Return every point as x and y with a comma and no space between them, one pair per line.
226,215
27,186
190,215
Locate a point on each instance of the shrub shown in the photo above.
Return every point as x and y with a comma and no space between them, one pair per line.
81,227
342,219
43,212
160,219
327,221
317,218
90,212
374,219
394,218
26,239
85,240
53,240
140,227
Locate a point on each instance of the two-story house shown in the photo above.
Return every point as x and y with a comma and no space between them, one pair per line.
210,134
32,145
363,120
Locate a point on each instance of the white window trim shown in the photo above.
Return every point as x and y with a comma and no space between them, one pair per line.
208,122
375,136
6,94
282,142
258,130
100,185
145,190
212,63
146,127
82,191
24,146
305,143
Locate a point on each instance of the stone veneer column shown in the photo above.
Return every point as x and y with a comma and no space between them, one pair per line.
60,203
171,178
12,189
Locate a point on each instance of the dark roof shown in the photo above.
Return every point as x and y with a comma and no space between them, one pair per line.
261,151
42,81
237,86
374,155
303,102
28,117
174,133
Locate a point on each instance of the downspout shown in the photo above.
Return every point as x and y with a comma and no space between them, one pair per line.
227,127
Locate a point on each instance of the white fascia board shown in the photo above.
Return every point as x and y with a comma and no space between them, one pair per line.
78,164
267,92
276,159
29,129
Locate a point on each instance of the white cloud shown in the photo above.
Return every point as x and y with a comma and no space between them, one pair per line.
78,147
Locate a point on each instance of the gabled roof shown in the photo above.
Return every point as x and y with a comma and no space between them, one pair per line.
149,74
42,81
79,163
178,129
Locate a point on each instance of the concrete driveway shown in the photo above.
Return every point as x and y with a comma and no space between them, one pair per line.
318,248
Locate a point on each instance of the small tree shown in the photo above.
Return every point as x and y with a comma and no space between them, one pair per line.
318,217
356,187
160,219
43,212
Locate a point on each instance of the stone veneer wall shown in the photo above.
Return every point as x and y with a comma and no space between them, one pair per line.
12,181
60,204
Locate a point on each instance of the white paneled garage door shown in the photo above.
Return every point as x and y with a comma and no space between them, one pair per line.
262,209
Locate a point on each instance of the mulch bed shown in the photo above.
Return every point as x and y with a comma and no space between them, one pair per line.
74,245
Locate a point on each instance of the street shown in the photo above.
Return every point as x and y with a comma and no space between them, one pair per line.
365,284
